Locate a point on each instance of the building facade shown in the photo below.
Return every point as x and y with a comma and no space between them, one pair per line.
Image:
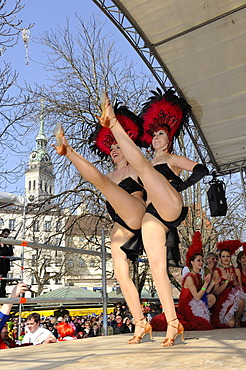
45,223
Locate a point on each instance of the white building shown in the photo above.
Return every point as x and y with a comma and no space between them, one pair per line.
45,223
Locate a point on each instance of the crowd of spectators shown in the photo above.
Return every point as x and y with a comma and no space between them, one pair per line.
42,330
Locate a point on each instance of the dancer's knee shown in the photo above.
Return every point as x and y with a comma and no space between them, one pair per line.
232,322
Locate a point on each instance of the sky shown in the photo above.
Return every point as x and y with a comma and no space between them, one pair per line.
47,15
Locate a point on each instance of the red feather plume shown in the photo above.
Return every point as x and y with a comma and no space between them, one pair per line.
196,247
231,245
163,112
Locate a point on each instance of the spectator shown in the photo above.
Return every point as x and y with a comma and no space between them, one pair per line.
211,262
88,330
96,329
51,327
118,326
35,333
65,331
5,250
5,341
128,326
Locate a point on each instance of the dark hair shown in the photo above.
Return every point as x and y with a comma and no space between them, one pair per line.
193,257
239,256
5,230
35,316
224,250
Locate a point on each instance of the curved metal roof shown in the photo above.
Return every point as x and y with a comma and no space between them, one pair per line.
199,47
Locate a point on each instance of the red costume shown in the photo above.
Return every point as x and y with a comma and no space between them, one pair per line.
227,302
243,319
194,314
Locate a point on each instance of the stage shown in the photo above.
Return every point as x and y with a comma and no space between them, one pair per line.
215,349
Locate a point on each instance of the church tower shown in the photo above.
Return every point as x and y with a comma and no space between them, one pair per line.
39,177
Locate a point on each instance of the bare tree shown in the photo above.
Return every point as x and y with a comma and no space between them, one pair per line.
13,102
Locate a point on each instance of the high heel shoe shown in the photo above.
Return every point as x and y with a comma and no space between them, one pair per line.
104,120
168,342
61,148
147,330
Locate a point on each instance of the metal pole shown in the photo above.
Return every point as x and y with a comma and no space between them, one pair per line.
22,266
104,286
243,187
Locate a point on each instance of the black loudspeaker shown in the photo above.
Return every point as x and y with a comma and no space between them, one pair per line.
217,198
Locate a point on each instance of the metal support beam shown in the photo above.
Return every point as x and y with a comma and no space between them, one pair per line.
243,186
104,286
35,245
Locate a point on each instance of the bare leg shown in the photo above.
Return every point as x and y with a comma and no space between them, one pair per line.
128,207
239,312
121,272
164,197
154,238
211,300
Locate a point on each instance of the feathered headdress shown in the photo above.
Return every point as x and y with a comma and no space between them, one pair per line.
165,112
230,245
195,247
102,138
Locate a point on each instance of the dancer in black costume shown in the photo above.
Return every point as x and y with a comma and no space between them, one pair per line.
124,201
162,117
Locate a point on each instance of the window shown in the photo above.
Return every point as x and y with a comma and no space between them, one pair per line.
33,260
41,184
30,185
45,187
82,263
50,189
34,184
57,241
47,226
1,223
58,226
33,280
11,224
92,262
70,264
36,225
58,262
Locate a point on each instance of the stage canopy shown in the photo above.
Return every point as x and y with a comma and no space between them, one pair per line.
201,46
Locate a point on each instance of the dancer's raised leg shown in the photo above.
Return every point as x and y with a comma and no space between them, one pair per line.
164,197
120,200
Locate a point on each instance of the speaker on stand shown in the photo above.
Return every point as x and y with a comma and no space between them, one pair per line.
217,198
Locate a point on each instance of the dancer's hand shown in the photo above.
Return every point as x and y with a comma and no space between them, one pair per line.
107,110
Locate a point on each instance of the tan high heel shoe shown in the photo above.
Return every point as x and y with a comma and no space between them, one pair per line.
147,330
104,120
168,342
61,148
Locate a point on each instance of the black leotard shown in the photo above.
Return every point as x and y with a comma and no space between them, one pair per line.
169,175
133,247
